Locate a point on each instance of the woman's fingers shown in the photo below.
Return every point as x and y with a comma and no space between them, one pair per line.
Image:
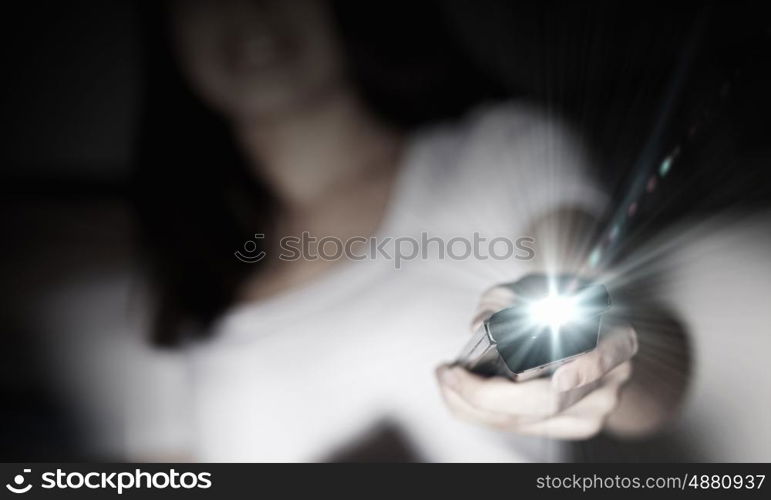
532,398
499,395
463,410
580,421
492,301
615,347
587,417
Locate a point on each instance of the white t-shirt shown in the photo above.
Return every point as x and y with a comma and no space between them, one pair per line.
310,372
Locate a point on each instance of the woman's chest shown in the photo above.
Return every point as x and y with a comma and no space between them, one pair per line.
296,387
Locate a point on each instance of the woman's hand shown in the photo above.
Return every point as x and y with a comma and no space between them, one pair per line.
572,404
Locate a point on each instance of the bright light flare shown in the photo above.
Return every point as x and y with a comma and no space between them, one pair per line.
554,311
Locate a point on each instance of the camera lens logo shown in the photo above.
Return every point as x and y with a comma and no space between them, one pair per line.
18,480
250,255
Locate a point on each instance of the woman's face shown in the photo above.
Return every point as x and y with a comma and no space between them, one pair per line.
252,58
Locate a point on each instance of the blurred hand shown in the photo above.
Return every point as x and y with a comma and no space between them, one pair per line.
571,404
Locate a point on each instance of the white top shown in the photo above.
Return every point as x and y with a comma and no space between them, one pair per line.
310,372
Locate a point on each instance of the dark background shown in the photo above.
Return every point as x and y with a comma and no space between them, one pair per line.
72,88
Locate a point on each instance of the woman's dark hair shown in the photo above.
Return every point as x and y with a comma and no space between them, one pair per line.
197,202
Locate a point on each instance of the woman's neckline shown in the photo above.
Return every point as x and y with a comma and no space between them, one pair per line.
318,292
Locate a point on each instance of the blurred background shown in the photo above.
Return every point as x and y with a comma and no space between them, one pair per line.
636,80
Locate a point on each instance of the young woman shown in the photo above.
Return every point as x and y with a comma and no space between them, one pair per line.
300,117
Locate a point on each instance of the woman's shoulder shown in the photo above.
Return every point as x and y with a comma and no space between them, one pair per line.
510,138
495,128
511,114
514,156
517,124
